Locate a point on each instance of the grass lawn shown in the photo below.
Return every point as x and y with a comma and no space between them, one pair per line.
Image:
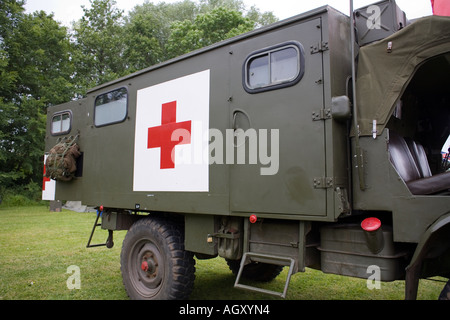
37,247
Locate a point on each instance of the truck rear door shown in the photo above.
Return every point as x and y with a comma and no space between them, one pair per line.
65,122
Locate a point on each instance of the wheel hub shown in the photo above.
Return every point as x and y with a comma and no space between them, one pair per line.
149,264
149,272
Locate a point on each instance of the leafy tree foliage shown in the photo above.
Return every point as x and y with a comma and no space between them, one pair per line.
35,71
148,28
155,33
206,29
99,45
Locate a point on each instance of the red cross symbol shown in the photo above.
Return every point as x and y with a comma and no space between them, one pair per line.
45,179
163,136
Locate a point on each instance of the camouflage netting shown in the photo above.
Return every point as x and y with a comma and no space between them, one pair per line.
61,163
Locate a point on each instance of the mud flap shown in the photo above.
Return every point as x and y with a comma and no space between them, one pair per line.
425,246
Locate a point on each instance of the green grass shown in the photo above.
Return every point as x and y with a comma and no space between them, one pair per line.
37,247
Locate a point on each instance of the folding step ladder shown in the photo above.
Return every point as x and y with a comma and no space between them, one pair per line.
269,259
109,241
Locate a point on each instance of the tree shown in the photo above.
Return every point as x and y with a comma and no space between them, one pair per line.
39,53
206,6
261,18
153,31
144,45
148,29
99,45
11,11
35,72
254,14
206,29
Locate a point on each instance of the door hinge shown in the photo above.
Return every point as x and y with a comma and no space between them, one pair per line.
321,114
323,183
319,47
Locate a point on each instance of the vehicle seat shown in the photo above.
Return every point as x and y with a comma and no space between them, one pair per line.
407,167
402,158
420,157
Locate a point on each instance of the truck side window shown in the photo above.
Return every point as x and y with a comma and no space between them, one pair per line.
274,68
61,123
111,107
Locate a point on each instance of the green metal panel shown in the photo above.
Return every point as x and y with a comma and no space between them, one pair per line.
336,70
198,234
344,251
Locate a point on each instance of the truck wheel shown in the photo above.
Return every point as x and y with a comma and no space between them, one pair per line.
256,271
154,263
445,293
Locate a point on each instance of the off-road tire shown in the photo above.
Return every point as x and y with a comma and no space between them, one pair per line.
445,293
154,264
256,271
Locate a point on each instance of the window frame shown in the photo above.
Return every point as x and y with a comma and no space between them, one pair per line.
278,84
60,114
112,122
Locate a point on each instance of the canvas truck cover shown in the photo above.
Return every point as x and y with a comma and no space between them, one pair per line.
384,72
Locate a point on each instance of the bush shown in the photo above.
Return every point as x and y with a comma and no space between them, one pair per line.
26,195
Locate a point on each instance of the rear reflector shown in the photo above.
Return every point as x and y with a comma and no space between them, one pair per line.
371,224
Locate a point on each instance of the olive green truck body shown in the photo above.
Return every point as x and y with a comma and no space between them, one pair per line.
254,150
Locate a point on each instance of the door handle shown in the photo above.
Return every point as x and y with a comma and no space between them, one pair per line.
241,120
241,123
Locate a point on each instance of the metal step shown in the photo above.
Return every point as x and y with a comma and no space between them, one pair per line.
269,259
109,241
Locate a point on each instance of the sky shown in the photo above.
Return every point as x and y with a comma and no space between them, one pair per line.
66,11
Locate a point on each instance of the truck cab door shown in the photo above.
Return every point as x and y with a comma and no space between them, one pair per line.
275,90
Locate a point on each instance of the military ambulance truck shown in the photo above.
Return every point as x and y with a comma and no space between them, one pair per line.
274,149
